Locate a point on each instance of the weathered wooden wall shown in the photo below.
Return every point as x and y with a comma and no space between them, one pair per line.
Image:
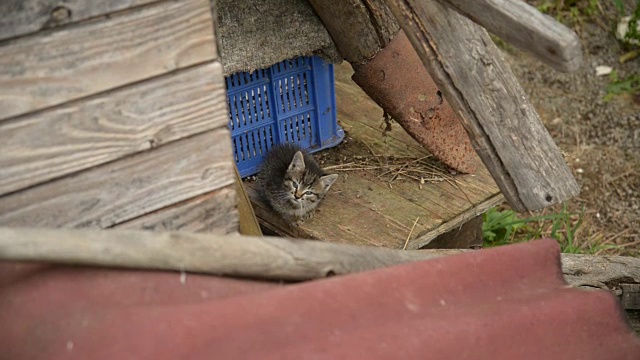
113,114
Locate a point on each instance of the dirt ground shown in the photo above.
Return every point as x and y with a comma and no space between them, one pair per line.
601,139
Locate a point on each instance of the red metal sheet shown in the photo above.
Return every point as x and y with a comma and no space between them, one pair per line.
504,303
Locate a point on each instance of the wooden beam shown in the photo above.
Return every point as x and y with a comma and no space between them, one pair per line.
525,27
269,258
51,68
504,128
113,193
76,136
21,17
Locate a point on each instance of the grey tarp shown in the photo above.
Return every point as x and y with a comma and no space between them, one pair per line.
256,34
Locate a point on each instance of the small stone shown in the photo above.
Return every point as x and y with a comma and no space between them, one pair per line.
602,70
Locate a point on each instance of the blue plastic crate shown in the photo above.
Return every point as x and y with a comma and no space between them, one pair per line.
291,102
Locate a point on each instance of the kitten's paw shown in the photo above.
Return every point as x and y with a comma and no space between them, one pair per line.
308,215
298,222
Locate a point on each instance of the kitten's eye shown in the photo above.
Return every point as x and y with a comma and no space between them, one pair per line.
308,192
295,184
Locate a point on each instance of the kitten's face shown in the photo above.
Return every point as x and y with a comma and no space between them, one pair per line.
304,188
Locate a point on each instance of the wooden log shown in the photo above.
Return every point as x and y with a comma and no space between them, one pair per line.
255,257
21,17
76,136
269,258
525,27
503,126
119,191
51,68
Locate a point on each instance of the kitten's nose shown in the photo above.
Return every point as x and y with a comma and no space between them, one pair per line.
298,195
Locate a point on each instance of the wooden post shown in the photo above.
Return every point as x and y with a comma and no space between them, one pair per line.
525,27
504,127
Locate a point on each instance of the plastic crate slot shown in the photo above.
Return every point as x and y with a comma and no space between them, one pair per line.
265,101
239,149
247,145
291,102
235,149
305,88
236,112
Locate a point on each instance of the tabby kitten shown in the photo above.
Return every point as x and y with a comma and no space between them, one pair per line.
293,184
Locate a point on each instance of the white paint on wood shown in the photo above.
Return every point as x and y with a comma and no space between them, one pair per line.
75,136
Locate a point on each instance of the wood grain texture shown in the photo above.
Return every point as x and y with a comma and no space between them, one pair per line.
20,17
46,145
503,126
51,68
269,258
525,27
359,28
107,195
213,213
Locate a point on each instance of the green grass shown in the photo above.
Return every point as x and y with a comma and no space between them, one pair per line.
570,12
617,86
501,227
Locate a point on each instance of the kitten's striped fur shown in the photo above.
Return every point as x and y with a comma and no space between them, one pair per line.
293,184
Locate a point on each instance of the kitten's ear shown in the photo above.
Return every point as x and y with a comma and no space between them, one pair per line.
328,180
297,164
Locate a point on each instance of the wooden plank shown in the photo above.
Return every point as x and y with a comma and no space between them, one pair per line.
110,194
22,17
213,213
506,131
346,219
525,27
75,136
51,68
269,258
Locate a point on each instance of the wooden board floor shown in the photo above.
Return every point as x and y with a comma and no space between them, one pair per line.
362,207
